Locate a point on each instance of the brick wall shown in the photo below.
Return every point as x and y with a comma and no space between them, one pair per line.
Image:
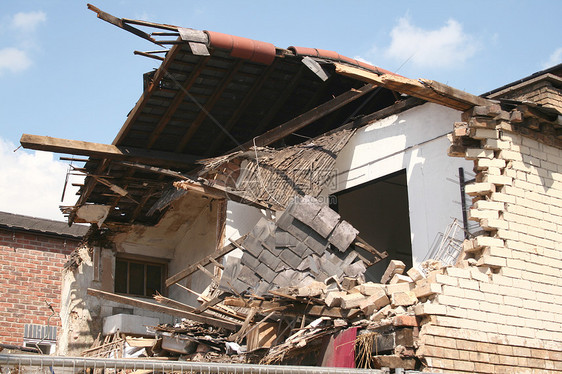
542,92
499,310
30,274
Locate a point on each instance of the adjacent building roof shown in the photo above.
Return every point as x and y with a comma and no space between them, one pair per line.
40,225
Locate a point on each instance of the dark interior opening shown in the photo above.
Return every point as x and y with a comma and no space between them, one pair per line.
379,210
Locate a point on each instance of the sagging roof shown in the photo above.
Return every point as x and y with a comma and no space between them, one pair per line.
216,93
19,222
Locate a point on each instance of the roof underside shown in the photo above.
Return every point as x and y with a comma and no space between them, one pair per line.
204,106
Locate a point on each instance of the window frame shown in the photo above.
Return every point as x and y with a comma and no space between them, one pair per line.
145,261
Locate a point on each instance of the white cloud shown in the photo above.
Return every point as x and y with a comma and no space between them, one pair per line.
554,59
28,21
446,47
359,58
13,60
32,183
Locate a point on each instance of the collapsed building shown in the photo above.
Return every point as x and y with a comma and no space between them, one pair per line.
297,199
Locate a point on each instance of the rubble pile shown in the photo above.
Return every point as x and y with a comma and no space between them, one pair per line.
298,295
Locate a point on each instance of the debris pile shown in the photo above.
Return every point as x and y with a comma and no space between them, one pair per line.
297,295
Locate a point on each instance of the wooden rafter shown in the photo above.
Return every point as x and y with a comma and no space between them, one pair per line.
280,101
307,118
213,321
176,102
205,261
248,98
105,151
208,106
429,90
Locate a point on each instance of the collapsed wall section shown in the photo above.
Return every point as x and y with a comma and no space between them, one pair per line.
499,310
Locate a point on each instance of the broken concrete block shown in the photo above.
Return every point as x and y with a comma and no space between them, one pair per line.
405,320
265,272
403,299
316,242
431,265
352,300
371,288
249,260
313,289
269,259
415,274
394,267
425,288
325,221
356,269
305,208
348,283
290,258
381,314
373,303
333,298
398,287
399,278
343,235
252,245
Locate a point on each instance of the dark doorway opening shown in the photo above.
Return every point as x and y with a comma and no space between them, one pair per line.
379,210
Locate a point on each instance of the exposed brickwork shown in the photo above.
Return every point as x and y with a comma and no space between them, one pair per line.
30,274
503,301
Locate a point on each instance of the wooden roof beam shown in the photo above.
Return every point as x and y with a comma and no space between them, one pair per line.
429,90
306,118
106,151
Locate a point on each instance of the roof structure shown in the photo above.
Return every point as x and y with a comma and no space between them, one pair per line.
216,93
40,225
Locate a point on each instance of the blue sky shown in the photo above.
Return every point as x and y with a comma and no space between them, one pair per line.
65,73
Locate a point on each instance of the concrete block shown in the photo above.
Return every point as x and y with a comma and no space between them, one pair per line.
269,259
398,287
313,289
394,267
128,324
333,298
373,303
343,235
371,288
426,288
325,221
399,278
415,274
353,300
290,258
381,314
403,299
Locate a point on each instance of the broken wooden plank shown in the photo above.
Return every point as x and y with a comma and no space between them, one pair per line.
361,243
163,309
207,304
192,268
424,89
306,118
292,309
105,151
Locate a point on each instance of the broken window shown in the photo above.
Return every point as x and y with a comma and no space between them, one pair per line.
139,278
379,210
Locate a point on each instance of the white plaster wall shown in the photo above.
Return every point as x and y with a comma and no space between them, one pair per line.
414,140
240,219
